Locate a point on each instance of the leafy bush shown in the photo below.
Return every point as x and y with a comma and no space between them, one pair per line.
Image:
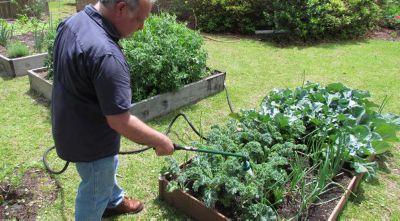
164,56
17,49
297,142
307,19
312,19
391,14
35,8
241,16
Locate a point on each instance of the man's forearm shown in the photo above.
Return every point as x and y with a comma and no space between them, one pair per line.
134,129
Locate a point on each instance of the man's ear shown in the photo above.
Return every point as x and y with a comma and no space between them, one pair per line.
121,8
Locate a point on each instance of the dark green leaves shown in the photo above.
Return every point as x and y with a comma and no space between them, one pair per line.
336,87
163,57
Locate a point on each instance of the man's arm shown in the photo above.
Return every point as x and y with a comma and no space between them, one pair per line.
134,129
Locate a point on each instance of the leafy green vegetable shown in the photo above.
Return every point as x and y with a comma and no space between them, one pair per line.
297,142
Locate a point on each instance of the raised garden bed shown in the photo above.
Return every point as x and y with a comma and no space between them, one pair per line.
14,67
152,107
302,145
334,200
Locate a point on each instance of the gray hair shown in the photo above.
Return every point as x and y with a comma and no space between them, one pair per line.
133,4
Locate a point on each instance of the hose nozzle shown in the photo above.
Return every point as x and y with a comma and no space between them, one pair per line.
247,168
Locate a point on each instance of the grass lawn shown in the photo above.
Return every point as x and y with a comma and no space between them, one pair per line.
61,9
253,69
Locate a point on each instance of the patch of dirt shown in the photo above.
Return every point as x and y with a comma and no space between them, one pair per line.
322,208
385,34
42,73
36,191
28,39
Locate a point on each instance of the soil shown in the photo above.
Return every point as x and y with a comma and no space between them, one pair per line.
42,73
27,39
36,191
385,34
322,208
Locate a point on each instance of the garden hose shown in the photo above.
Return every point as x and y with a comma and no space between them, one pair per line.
246,164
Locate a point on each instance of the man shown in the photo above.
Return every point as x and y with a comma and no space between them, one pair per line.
91,99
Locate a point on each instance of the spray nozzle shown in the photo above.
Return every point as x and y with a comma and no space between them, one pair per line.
245,165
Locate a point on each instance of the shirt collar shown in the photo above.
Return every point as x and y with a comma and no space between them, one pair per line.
102,22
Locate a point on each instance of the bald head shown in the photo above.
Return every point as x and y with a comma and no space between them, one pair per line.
127,16
133,4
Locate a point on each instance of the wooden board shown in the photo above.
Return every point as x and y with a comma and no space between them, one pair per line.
16,67
155,106
40,85
162,104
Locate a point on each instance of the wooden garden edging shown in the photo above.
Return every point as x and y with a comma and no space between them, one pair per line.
14,67
155,106
196,209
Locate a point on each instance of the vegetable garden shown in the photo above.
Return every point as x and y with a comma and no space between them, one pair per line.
309,118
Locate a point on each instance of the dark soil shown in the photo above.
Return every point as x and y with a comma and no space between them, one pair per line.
323,207
28,39
385,34
36,191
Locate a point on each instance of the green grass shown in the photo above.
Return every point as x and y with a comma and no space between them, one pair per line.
253,69
61,9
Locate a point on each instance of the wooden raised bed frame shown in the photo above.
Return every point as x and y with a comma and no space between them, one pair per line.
155,106
15,67
196,209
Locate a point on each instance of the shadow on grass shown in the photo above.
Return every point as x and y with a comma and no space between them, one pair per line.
40,100
169,213
7,77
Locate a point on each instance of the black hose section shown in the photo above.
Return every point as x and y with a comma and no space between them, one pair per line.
228,99
46,164
188,121
134,151
51,171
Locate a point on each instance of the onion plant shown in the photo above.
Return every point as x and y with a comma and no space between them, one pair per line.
6,32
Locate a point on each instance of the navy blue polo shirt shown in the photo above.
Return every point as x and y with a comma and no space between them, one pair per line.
91,80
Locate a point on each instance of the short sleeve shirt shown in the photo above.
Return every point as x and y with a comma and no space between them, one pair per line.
91,80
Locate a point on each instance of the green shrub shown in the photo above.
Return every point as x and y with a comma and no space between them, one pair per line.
306,19
164,56
242,16
17,49
391,14
319,19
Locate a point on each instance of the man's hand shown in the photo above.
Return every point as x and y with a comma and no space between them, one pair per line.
134,129
166,148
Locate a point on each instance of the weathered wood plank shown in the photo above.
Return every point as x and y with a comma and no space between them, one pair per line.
155,106
189,94
40,85
5,67
21,65
16,67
